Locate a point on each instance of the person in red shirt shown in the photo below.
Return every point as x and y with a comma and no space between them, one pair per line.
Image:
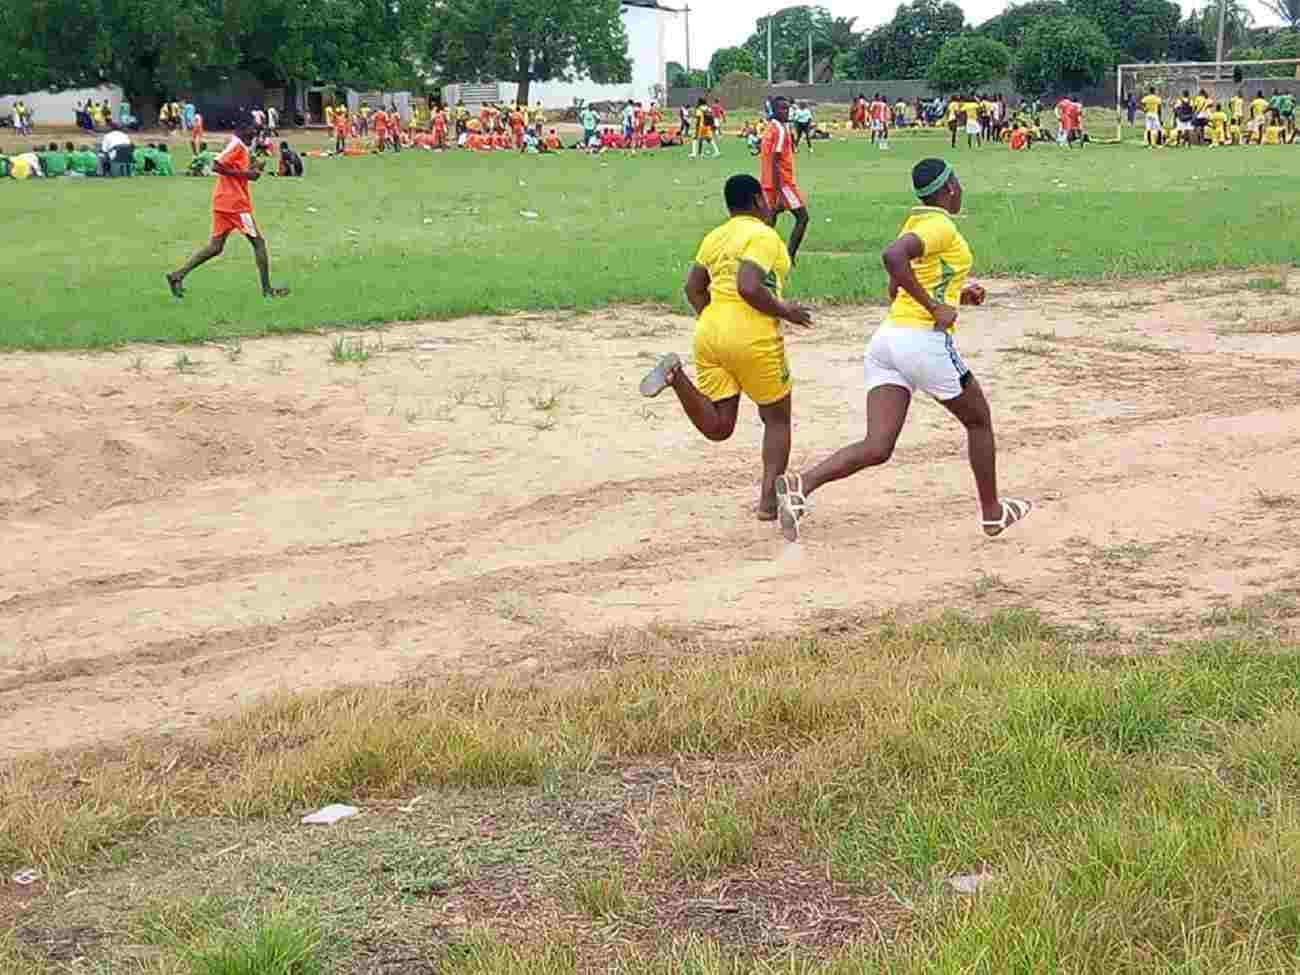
776,173
652,139
341,128
379,122
517,127
440,129
553,142
1071,114
232,210
879,113
196,133
719,114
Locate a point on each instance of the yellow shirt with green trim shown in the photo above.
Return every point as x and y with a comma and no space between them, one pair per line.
1236,106
941,269
1151,103
742,238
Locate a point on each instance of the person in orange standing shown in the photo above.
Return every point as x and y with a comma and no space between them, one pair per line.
341,128
232,210
440,128
379,122
776,173
517,126
196,133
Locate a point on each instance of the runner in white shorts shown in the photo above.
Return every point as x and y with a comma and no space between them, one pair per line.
913,350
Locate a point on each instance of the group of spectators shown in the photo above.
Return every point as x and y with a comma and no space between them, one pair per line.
115,156
1200,120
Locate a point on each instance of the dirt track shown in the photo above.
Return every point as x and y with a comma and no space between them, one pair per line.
179,543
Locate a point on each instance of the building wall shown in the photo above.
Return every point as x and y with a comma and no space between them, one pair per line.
58,107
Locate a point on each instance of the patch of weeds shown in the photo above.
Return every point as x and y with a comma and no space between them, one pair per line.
1288,325
180,921
1126,556
604,894
526,334
276,366
184,364
987,583
499,404
411,415
714,836
234,351
647,414
547,400
278,946
137,363
513,607
1265,284
545,424
1041,335
346,349
460,394
483,954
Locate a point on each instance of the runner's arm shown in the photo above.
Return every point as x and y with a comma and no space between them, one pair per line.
897,259
697,288
749,283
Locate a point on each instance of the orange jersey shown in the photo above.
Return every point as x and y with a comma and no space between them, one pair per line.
340,123
516,120
774,151
230,194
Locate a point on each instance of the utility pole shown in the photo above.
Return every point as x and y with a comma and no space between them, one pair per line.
810,61
1218,51
687,11
769,49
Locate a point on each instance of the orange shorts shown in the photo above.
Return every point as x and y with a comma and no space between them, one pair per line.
224,222
789,199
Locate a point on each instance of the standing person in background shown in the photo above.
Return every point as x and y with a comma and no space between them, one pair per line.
190,112
803,124
1237,109
1131,106
776,174
704,130
590,120
879,112
273,120
954,118
341,128
196,132
684,120
379,122
363,119
719,114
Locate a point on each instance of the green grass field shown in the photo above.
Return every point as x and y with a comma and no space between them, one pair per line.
370,240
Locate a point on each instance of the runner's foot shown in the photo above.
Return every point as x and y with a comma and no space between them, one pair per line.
791,504
174,282
1013,510
661,376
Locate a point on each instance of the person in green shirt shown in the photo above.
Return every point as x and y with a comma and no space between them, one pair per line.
201,164
54,162
83,162
162,161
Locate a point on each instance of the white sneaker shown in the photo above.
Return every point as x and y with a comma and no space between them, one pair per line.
656,380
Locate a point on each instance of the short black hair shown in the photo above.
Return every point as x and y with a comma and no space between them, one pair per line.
926,172
780,98
740,192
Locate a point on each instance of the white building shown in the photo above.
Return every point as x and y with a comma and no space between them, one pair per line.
646,22
60,107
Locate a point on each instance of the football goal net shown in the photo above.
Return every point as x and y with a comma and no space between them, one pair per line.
1220,80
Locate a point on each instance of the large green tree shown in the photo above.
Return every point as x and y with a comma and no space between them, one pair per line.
530,40
966,63
1237,22
1062,54
1009,26
725,60
791,29
1141,30
906,46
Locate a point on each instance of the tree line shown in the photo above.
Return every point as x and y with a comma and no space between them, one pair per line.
1043,45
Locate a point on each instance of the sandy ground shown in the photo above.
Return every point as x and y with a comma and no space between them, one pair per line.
489,496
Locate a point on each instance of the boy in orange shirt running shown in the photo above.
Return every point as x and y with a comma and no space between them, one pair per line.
776,173
232,209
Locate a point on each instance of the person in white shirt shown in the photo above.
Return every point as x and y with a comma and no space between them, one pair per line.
273,120
113,139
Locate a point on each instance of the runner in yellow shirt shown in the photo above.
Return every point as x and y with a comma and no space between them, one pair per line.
1258,117
735,287
913,350
1218,125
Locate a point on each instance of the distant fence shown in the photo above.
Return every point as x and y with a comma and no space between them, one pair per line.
843,92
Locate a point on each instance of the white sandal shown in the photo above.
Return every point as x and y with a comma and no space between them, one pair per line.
791,504
659,378
1013,510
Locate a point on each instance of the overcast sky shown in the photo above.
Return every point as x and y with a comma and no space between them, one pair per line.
718,23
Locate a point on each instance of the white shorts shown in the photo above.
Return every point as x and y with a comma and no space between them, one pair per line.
974,128
915,358
1184,126
1153,121
877,125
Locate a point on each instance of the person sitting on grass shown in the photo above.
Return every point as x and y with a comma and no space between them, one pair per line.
26,165
54,162
201,164
82,162
290,162
651,140
553,142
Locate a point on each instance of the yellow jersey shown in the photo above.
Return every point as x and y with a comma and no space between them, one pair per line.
1258,107
1236,105
742,238
1151,104
970,108
953,109
1273,135
941,269
1198,102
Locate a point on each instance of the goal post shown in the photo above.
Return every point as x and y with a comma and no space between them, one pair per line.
1169,78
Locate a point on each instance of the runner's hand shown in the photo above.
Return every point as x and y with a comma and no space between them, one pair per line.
945,316
799,315
972,294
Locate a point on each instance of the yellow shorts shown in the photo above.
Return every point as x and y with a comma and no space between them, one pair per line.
732,357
